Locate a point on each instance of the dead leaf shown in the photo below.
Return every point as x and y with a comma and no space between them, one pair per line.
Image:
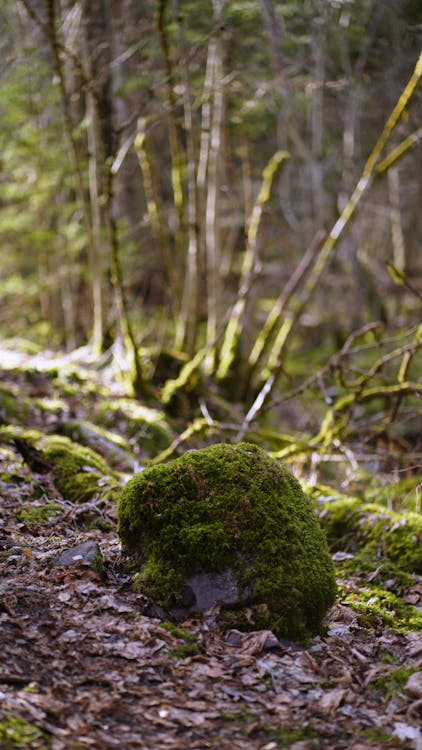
331,700
414,685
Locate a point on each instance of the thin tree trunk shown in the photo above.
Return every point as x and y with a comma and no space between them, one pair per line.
178,158
212,236
51,30
187,327
396,225
317,124
155,210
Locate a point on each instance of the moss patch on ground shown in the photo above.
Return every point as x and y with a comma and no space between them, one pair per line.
380,551
18,734
39,515
393,682
231,507
377,607
382,534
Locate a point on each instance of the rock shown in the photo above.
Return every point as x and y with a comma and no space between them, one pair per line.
88,553
229,525
208,588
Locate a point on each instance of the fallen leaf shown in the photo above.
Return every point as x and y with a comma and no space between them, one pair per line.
331,700
414,685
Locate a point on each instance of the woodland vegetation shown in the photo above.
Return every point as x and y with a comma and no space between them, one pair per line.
222,201
210,232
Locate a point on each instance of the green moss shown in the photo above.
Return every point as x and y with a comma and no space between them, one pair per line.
146,427
158,578
369,567
184,650
17,734
375,606
394,682
188,647
382,533
230,507
178,632
79,472
34,516
379,738
99,566
285,737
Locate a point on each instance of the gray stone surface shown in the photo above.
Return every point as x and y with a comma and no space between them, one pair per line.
202,590
88,553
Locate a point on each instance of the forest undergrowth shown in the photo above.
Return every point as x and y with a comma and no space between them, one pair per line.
86,662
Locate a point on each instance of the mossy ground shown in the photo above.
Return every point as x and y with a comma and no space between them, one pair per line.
231,507
352,525
393,682
18,734
381,551
38,515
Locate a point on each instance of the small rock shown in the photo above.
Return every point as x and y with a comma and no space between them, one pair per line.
271,642
234,638
88,553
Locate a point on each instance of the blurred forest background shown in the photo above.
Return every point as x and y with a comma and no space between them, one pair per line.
220,201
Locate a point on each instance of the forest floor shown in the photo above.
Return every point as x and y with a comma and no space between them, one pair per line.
83,666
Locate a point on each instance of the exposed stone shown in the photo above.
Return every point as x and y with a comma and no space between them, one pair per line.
208,588
87,553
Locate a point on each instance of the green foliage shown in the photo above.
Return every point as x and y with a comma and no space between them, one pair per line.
37,218
230,507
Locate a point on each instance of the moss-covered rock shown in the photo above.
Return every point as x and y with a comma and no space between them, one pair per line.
231,513
371,528
108,444
148,429
79,472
